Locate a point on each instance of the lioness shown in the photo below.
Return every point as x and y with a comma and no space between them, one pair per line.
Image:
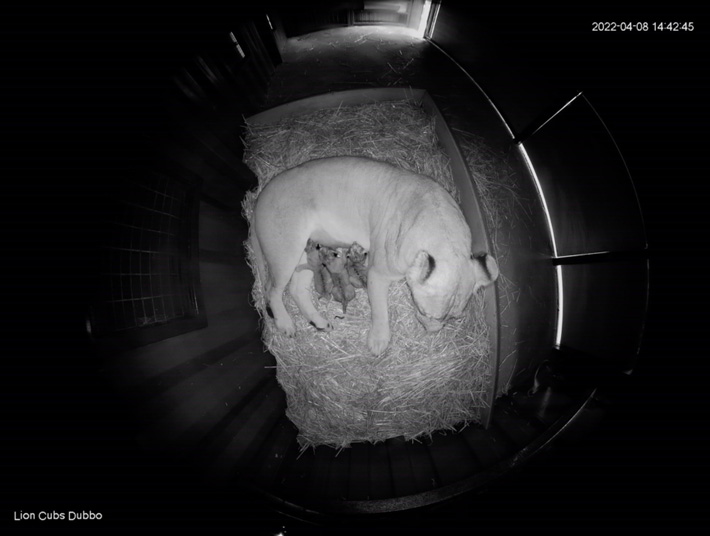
410,226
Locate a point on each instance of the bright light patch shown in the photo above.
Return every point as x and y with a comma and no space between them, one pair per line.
424,19
548,219
560,305
541,194
236,44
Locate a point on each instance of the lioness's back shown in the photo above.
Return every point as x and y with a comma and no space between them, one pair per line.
349,176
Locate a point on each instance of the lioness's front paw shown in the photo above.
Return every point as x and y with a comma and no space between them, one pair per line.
378,339
321,324
286,326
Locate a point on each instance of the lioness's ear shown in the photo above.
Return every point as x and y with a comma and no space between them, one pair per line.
485,270
422,267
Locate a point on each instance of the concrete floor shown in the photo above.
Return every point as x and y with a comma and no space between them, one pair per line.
359,57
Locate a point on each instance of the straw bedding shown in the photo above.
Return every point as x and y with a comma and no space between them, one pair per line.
337,392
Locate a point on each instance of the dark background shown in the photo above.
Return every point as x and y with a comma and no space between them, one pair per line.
644,469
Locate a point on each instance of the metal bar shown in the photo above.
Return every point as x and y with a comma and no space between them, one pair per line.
533,128
602,256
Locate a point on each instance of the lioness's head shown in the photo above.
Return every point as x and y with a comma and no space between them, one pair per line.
442,287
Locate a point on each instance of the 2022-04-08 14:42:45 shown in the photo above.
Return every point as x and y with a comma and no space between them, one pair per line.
629,26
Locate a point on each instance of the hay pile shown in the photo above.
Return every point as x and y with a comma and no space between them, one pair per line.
397,132
337,392
501,201
500,198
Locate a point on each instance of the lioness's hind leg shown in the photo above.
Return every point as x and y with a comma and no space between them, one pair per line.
281,267
263,279
283,320
299,288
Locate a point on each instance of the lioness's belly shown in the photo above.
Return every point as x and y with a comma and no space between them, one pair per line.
340,234
342,200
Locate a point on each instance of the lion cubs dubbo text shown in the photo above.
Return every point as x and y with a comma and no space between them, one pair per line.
410,226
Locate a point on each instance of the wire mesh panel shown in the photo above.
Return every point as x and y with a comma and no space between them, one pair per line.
149,276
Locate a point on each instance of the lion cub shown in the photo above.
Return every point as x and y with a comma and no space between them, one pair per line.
315,256
336,272
357,265
343,291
